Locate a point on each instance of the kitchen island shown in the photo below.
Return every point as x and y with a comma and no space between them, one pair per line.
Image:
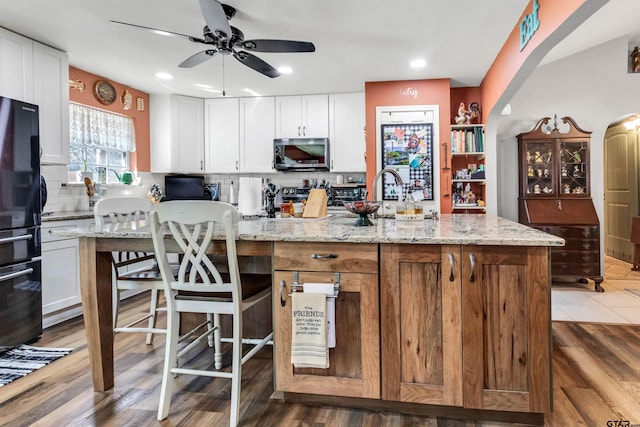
451,313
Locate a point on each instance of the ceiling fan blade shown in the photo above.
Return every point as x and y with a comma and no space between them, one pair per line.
161,32
256,63
198,58
216,18
264,45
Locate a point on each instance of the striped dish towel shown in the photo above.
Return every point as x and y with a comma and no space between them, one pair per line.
309,330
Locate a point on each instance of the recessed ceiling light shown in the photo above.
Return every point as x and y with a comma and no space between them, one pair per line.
164,76
251,91
204,86
418,63
285,70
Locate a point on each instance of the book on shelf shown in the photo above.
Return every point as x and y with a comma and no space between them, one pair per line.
468,140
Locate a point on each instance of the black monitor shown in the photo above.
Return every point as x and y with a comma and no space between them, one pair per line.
184,187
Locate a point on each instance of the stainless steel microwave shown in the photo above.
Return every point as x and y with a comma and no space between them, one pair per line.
301,153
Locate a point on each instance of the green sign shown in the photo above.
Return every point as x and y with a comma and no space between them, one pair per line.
529,25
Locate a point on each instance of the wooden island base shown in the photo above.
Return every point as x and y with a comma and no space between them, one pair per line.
459,331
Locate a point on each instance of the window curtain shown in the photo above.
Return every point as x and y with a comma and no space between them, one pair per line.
101,129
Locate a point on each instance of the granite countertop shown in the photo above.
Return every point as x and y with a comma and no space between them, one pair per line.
66,215
449,229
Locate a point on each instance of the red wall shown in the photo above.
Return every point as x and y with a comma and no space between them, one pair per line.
398,93
551,14
141,158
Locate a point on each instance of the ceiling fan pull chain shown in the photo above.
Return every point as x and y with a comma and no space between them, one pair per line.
223,92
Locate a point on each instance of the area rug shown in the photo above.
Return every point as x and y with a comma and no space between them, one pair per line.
636,292
20,361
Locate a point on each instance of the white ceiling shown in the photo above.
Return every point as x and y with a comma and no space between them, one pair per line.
356,41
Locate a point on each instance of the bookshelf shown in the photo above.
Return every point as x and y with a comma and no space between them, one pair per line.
468,180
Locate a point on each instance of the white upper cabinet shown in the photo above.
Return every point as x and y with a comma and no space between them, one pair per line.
177,134
51,94
222,135
38,74
302,116
346,132
16,66
257,131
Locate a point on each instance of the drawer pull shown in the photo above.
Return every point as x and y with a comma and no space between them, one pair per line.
451,278
16,238
324,256
472,258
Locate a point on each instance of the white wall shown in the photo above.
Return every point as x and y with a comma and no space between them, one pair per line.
592,87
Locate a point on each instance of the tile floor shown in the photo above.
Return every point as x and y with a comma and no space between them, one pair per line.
579,303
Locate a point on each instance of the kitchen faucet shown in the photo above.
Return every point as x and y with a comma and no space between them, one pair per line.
376,178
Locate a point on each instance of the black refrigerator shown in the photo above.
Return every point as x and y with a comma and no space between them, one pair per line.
20,218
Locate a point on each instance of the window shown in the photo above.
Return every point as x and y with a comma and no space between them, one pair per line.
100,142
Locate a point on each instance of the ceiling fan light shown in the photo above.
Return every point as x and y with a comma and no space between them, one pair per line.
251,91
418,63
285,70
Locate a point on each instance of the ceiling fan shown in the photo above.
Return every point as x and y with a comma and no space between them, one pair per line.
227,40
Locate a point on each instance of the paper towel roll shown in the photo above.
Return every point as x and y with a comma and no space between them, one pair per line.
250,196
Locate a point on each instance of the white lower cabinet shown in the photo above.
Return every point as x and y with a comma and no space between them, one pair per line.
60,274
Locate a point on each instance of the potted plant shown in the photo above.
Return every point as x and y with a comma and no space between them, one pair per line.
85,173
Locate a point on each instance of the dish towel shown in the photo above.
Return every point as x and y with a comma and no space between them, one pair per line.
326,288
308,330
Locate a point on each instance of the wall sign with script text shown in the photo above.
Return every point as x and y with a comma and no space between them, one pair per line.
529,25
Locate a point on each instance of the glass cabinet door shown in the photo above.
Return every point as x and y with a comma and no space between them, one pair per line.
573,168
540,158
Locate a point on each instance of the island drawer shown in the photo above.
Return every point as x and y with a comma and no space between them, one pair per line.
332,257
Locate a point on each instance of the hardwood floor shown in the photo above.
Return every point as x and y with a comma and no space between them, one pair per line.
596,378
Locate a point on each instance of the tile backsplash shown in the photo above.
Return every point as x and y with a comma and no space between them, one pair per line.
65,197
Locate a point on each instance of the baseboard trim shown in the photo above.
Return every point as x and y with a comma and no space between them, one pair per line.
414,408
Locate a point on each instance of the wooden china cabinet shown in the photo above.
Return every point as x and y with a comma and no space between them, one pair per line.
555,197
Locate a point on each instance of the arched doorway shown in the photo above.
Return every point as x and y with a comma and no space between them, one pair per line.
621,168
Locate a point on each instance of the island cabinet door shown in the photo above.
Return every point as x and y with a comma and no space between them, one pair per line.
420,300
354,363
506,328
